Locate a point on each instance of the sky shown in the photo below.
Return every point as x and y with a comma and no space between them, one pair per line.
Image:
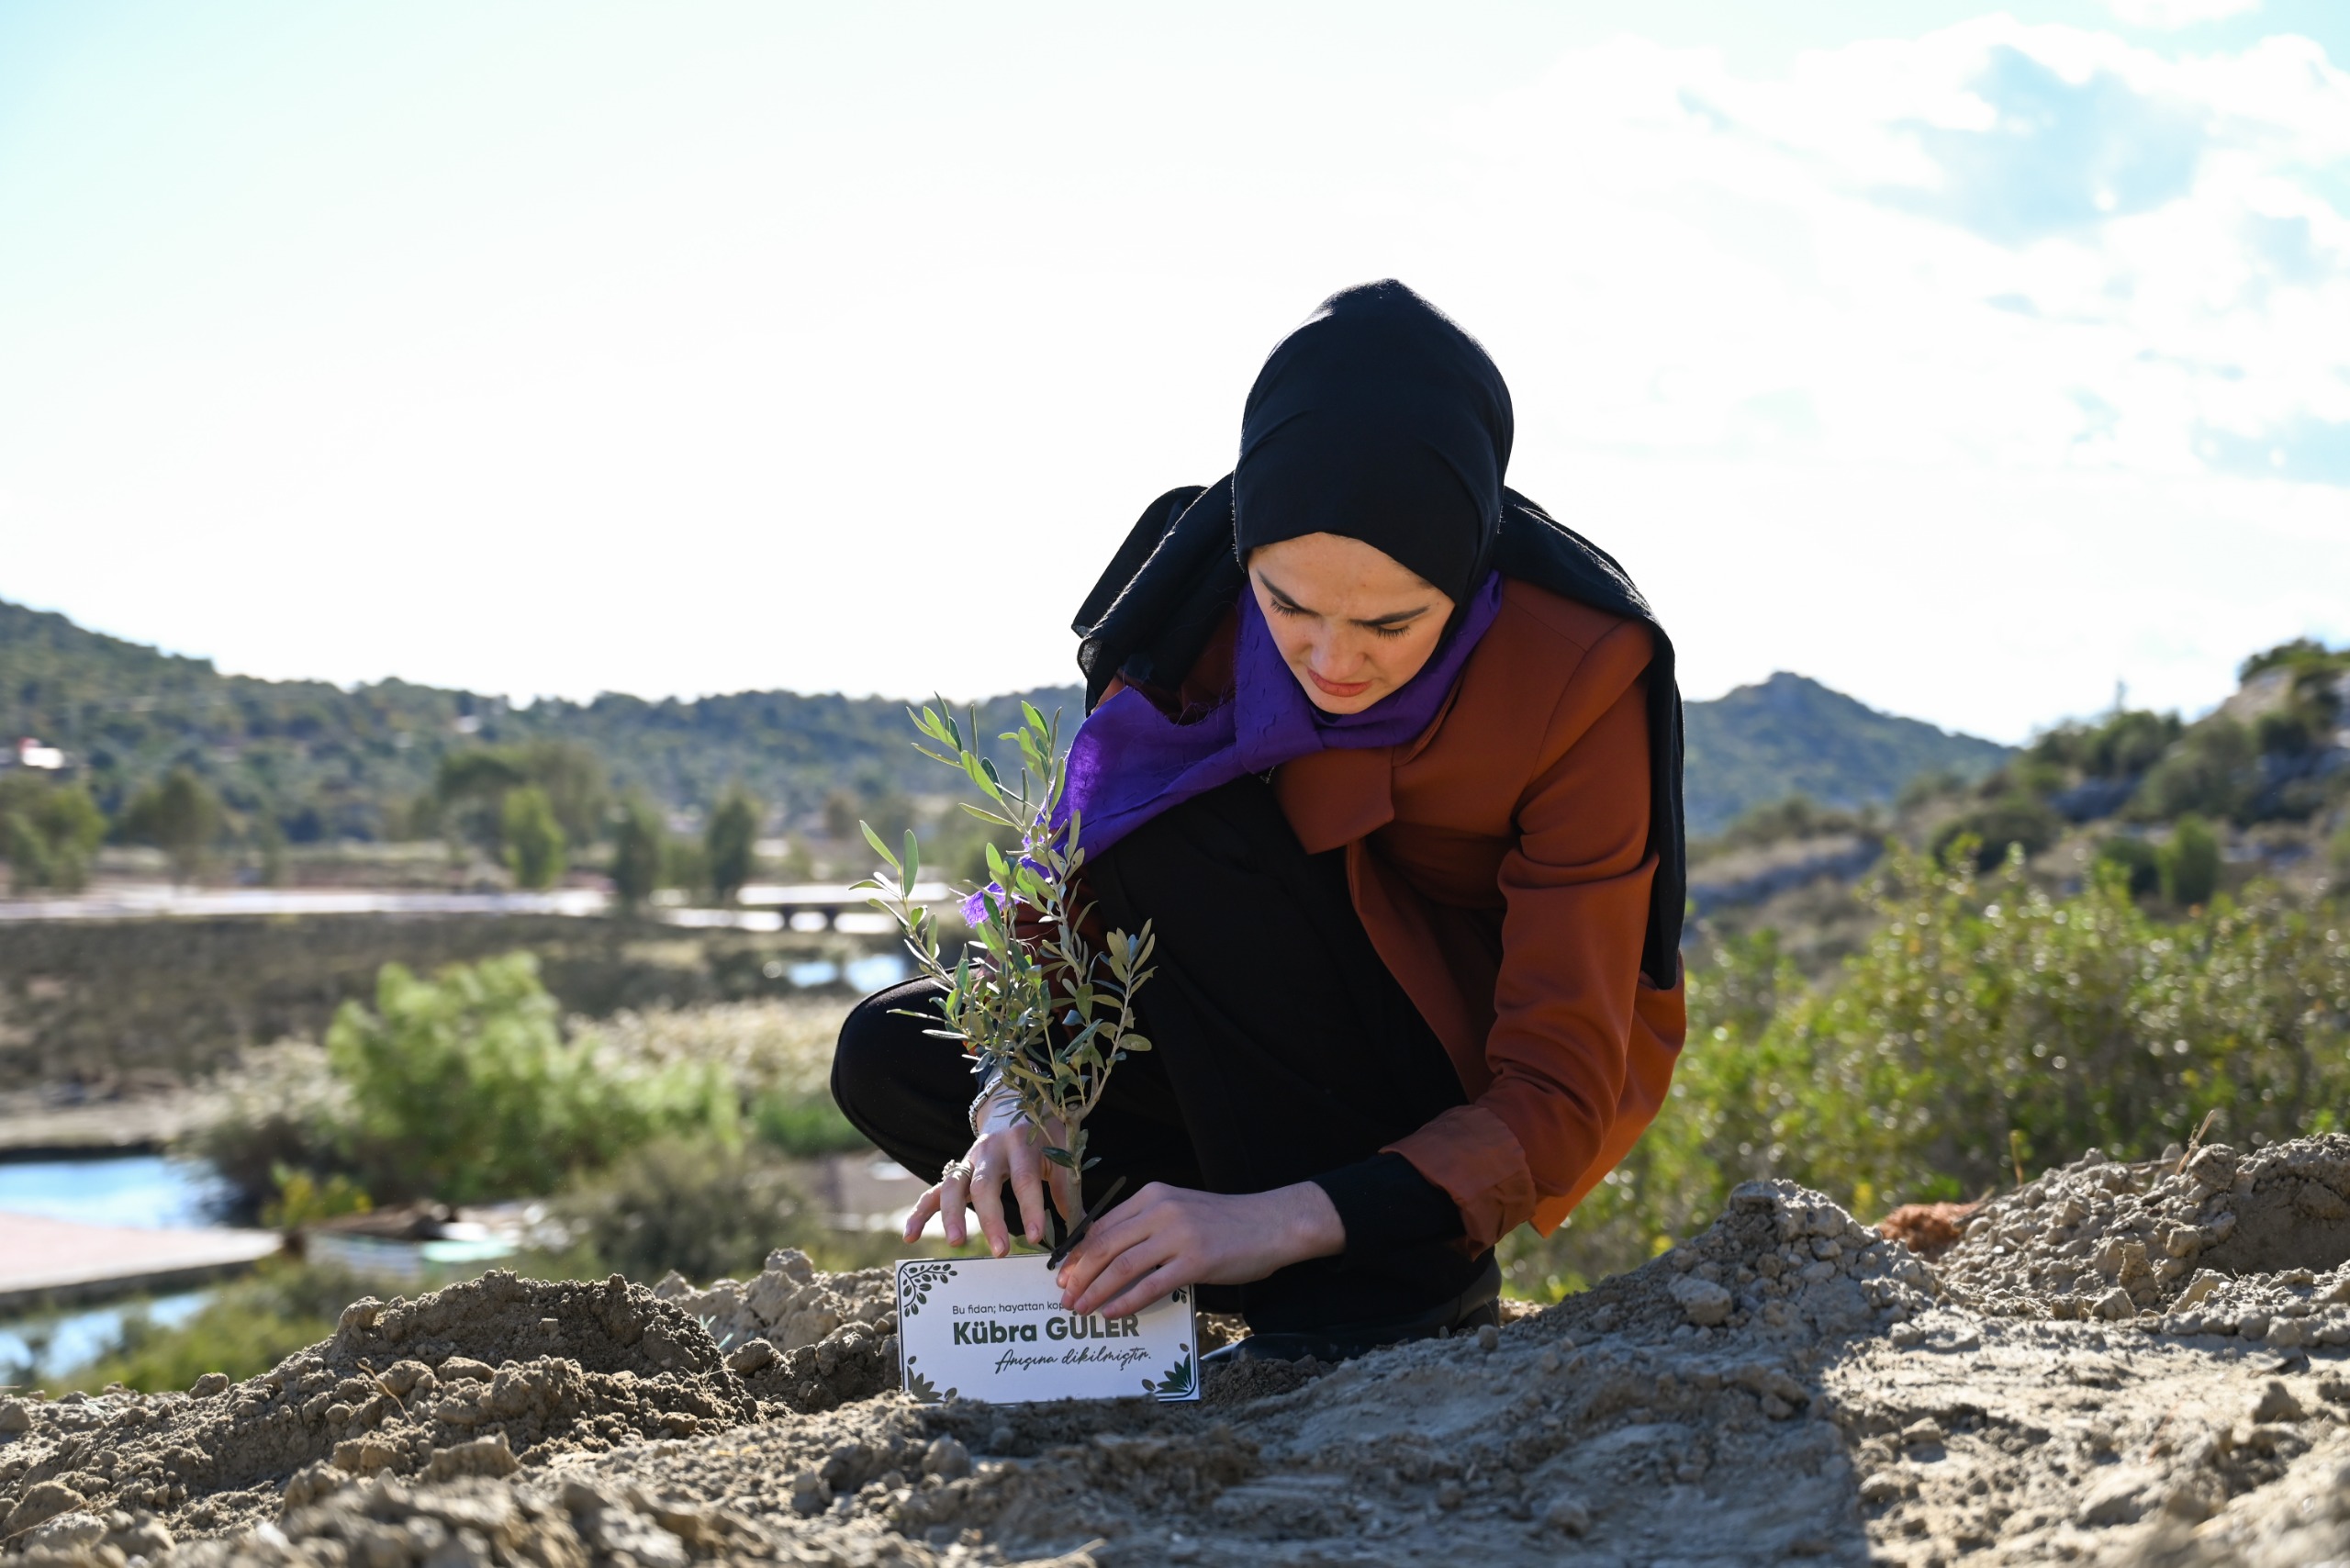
1972,362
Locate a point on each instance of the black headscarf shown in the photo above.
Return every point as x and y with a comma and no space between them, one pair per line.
1381,421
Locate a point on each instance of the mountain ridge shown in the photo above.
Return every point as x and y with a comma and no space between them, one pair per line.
336,762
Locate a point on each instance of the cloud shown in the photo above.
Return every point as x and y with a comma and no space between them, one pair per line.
2059,157
2301,448
2171,14
2027,247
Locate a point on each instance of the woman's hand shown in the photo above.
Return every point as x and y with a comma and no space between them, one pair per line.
1006,1149
1164,1237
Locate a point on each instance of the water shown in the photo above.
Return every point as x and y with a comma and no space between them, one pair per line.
869,974
45,1347
134,1190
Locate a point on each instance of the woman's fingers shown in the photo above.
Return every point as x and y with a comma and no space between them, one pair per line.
1127,1225
1028,1186
1163,1280
1144,1257
953,1197
987,1196
924,1207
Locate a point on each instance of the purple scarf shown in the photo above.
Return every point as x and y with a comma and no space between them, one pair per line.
1129,762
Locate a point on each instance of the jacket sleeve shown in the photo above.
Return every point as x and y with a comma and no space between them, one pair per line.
1559,1067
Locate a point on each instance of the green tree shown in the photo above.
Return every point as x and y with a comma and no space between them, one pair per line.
574,781
49,833
181,817
463,1088
2190,862
732,841
2141,863
269,841
2213,771
638,841
2014,820
532,836
470,790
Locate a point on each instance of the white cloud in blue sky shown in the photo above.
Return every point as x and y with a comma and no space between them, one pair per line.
1968,366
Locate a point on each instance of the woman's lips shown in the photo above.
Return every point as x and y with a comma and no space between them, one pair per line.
1339,687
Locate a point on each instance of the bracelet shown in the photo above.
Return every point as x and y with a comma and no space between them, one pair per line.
980,1102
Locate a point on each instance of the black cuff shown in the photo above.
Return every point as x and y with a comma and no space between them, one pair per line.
1385,1204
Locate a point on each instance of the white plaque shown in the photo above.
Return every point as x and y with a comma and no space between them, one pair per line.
992,1329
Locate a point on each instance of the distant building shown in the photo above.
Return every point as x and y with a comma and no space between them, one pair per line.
30,752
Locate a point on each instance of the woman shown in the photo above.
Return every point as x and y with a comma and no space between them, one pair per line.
1392,763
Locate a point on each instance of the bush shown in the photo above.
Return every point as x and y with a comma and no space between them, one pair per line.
248,1326
689,1204
2138,862
533,838
1797,817
181,817
2213,772
803,1125
462,1088
1980,1010
282,1110
2011,822
48,833
638,840
732,843
2190,862
778,1055
2122,745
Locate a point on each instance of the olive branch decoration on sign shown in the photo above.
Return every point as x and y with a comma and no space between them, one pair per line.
916,1280
1045,1013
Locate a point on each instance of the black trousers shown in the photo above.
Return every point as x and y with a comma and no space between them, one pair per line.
1283,1050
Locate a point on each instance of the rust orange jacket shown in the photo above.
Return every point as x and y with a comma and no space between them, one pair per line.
1500,864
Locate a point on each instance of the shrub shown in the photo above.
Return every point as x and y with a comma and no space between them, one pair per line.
638,840
803,1125
1980,1010
732,843
282,1109
48,833
248,1328
2190,862
532,836
689,1204
2011,822
2212,772
1793,818
2138,862
462,1088
2122,745
778,1055
304,1200
181,817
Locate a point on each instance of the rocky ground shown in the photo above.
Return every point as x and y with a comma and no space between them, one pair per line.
2115,1364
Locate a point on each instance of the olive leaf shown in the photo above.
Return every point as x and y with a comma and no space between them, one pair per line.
1036,1006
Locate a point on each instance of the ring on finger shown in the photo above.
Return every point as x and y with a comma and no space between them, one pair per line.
955,1171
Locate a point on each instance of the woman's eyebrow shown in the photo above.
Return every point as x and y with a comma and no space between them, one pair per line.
1393,618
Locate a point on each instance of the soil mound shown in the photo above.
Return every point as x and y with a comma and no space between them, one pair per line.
2250,1246
478,1378
1789,1386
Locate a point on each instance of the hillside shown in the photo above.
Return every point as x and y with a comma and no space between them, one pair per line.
336,764
1791,735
